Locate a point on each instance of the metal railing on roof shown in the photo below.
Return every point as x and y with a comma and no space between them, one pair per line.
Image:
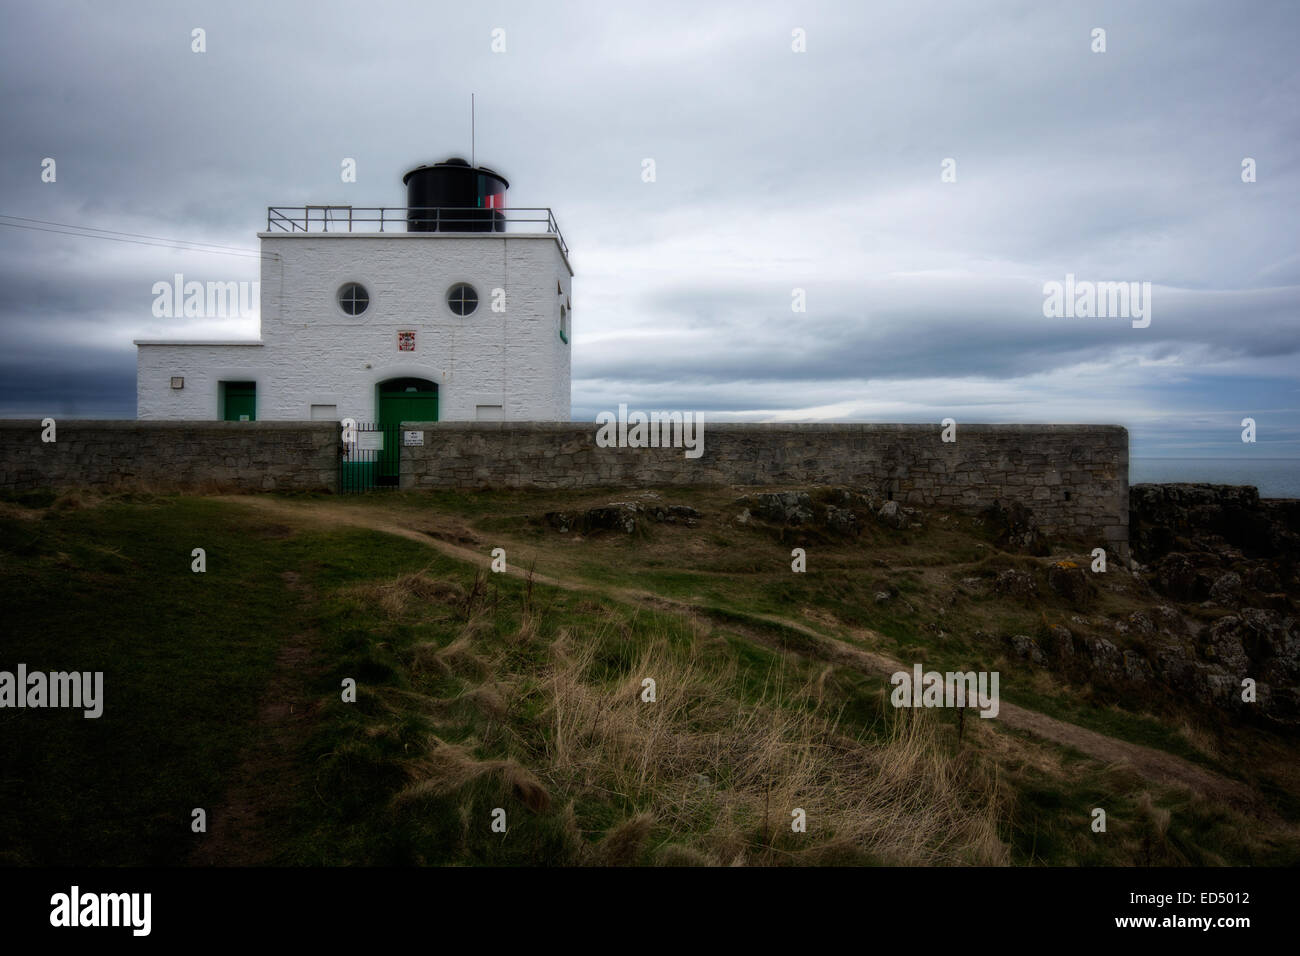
293,219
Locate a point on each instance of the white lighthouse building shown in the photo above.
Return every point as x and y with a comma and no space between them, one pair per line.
452,308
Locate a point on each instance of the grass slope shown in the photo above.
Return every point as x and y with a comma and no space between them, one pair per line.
483,692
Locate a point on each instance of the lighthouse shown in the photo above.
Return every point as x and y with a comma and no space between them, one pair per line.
454,307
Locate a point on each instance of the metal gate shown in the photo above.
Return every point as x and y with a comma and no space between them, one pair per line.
372,462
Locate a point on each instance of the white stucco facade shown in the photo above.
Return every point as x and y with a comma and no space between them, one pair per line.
315,360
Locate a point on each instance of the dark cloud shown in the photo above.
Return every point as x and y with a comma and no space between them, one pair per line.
775,171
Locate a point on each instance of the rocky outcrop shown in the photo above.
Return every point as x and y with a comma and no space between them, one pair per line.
1061,642
841,520
891,515
840,512
1015,583
783,507
1215,568
1230,560
1217,545
1026,648
1014,528
621,516
1260,639
1069,581
615,516
1170,517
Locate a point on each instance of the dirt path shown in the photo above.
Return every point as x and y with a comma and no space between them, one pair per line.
1153,764
267,775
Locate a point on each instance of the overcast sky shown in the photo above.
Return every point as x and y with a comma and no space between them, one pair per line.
775,170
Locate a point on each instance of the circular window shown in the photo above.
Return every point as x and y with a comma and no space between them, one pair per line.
353,298
462,298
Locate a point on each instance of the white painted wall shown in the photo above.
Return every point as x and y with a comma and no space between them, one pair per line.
313,353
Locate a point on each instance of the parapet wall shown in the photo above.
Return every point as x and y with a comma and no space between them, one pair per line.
170,456
1073,477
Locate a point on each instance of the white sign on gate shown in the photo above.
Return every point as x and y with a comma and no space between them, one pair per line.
370,441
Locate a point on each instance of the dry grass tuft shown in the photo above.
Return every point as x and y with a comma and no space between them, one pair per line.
724,776
674,854
1156,818
76,499
701,775
446,768
529,630
489,700
415,590
523,784
456,657
1203,741
624,841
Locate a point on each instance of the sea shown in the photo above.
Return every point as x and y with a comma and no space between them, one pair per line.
1274,477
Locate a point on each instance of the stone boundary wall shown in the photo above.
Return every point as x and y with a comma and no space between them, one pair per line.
1073,477
170,456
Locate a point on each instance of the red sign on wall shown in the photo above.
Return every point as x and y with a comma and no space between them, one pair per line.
406,341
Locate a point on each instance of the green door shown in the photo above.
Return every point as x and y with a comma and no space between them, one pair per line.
239,401
402,400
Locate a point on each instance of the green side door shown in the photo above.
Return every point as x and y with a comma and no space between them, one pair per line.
402,400
240,402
